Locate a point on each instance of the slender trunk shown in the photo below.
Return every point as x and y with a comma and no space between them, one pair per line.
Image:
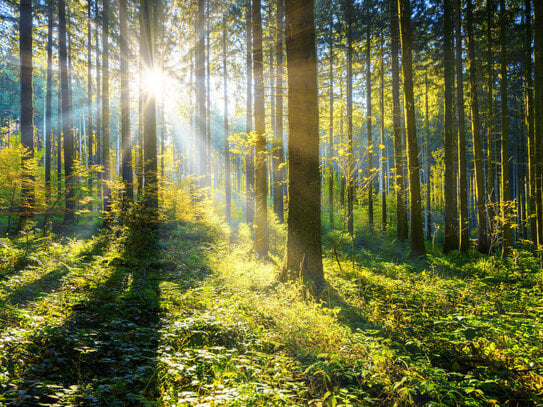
451,213
105,112
401,208
417,234
201,96
482,245
383,145
538,97
48,100
462,170
66,115
491,182
278,153
249,158
207,92
505,187
331,133
350,165
27,112
369,128
261,218
227,187
90,139
126,170
304,253
428,161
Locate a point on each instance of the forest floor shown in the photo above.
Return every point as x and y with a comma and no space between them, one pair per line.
193,320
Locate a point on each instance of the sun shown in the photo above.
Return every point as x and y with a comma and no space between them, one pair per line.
153,82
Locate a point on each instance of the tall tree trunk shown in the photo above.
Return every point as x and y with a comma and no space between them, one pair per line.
27,112
201,96
66,116
417,234
428,162
48,100
491,173
401,208
350,165
505,187
304,253
126,165
278,153
149,115
228,186
369,128
331,130
90,139
249,158
538,96
207,52
261,218
105,113
451,214
382,131
482,245
462,170
529,118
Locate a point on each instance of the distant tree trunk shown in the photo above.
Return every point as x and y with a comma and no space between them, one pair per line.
383,145
451,214
369,128
48,100
227,187
538,97
331,132
105,113
350,166
482,245
126,165
149,116
401,208
462,170
207,52
491,182
98,136
278,153
90,140
505,187
304,253
261,218
66,115
27,111
249,158
529,119
428,162
201,96
417,234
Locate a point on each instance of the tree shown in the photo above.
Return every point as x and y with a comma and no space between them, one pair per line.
382,138
538,97
462,170
105,113
417,234
90,140
401,209
27,111
261,214
304,253
451,214
278,153
67,130
482,245
200,94
49,100
126,169
350,166
227,187
249,159
369,127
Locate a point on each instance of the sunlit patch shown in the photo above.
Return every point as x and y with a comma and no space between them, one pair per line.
153,82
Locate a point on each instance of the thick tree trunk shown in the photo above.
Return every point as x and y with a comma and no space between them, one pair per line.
428,162
261,214
538,86
417,234
401,208
304,253
126,166
462,170
505,187
66,115
451,214
491,173
105,114
482,245
382,134
27,112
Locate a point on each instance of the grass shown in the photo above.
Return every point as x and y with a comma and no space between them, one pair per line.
195,320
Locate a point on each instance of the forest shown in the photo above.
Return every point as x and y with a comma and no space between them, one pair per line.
271,203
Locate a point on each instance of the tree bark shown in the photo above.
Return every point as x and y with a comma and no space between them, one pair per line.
261,214
228,186
249,158
201,97
417,234
304,253
538,96
278,153
369,128
48,100
126,166
350,173
383,145
105,114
